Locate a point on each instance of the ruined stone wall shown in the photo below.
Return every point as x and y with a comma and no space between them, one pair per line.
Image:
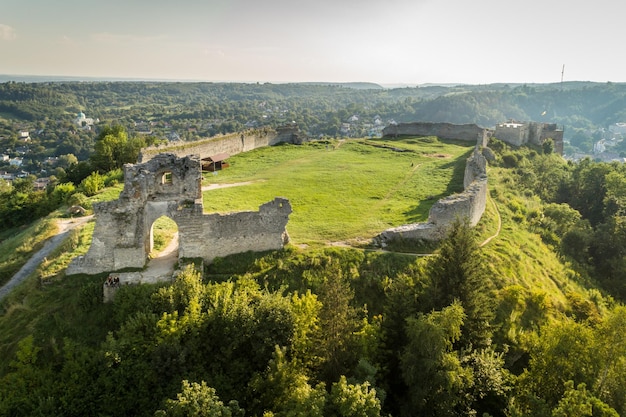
467,132
514,134
170,186
219,235
468,205
231,144
551,131
518,134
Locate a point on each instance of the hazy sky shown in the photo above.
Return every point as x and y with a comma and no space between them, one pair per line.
383,41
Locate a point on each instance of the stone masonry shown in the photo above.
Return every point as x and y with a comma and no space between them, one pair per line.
468,205
521,133
231,144
466,132
168,185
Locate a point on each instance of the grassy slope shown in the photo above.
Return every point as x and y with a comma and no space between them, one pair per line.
526,272
532,283
18,245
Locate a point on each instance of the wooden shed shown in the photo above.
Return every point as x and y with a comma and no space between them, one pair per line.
215,162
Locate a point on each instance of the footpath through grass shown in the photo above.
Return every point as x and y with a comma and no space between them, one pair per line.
343,190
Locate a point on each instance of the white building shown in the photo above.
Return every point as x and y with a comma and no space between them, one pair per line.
83,121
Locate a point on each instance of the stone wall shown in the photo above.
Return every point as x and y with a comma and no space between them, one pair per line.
522,133
231,144
170,186
468,205
514,133
467,132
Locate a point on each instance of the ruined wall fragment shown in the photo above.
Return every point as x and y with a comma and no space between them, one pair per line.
468,205
171,186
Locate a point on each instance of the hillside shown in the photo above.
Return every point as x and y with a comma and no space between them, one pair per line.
188,111
504,326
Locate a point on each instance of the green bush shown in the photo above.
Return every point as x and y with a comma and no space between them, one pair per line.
92,184
79,199
510,161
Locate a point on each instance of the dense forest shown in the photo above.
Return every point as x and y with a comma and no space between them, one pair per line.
530,324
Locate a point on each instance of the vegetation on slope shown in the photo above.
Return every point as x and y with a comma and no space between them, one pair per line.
516,327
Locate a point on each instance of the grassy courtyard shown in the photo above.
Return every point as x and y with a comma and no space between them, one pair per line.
343,190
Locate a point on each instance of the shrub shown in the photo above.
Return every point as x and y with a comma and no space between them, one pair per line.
79,199
510,161
92,184
62,192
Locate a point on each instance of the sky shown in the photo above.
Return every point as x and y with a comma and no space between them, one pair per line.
388,42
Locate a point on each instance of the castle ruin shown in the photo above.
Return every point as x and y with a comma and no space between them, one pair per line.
468,205
511,132
522,133
168,185
231,144
465,132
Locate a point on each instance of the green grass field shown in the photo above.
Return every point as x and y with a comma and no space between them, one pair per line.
343,190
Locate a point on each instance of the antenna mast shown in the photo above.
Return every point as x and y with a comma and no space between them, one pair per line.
562,72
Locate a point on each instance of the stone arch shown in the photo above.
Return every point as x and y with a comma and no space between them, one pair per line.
170,186
167,223
154,210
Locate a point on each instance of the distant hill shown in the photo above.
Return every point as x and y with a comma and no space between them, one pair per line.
355,85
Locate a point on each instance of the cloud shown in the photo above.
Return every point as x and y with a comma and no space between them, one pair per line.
7,33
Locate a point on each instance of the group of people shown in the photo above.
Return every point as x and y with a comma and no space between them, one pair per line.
112,281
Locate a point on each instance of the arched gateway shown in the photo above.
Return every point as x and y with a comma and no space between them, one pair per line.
170,186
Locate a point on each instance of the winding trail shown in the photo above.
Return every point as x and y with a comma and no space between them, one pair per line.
65,226
495,206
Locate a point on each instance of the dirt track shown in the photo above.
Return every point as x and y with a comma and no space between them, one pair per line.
51,244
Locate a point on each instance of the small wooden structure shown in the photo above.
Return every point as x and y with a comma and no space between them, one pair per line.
215,162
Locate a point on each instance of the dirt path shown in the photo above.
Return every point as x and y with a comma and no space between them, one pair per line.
489,239
234,184
162,267
65,226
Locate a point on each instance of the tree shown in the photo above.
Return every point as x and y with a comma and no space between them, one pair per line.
547,146
66,161
587,190
92,184
610,351
563,352
284,390
62,192
456,273
113,149
353,400
615,199
579,402
198,400
306,308
492,383
337,324
431,369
